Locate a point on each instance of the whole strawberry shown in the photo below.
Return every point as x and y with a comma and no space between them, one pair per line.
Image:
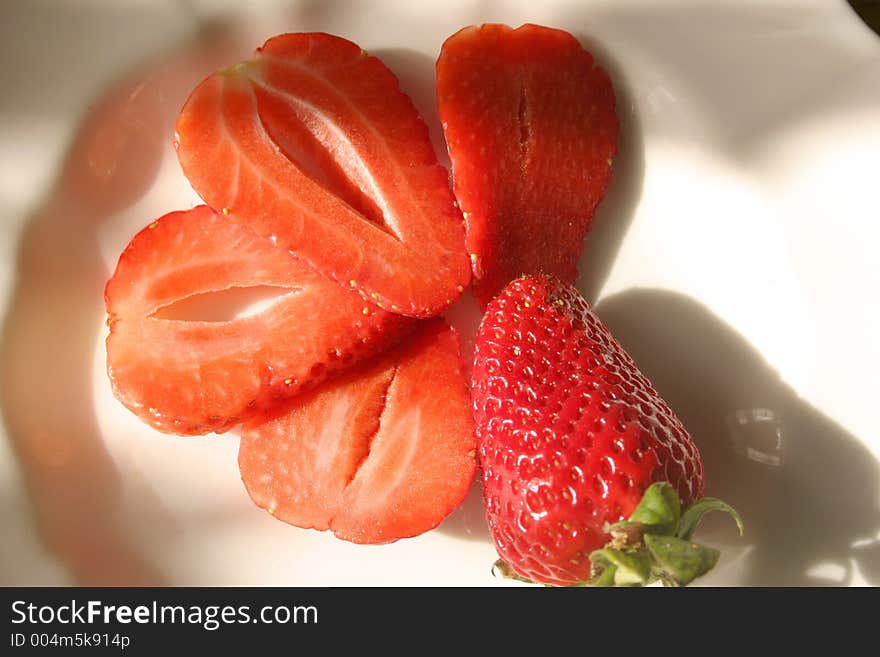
574,441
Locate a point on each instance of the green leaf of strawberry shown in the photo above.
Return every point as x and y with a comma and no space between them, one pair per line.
659,508
631,567
694,514
680,562
654,544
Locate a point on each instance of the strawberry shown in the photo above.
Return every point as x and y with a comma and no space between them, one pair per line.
531,130
383,452
312,143
573,440
193,377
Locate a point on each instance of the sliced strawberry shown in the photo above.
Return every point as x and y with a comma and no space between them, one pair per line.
193,377
313,143
530,126
382,452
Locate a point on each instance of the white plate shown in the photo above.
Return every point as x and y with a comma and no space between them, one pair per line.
735,256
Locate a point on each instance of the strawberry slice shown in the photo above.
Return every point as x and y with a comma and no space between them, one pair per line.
313,144
531,129
194,377
374,455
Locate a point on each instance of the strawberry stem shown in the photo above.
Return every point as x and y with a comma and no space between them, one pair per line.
654,543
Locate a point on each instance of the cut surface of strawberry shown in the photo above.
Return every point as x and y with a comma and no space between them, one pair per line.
531,130
382,452
195,377
313,143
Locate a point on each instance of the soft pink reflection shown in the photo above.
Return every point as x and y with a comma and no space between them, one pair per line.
57,311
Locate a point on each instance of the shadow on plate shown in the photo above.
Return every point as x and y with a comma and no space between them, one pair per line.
806,488
617,210
56,311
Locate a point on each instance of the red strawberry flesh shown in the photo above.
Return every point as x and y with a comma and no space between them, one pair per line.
383,452
570,433
194,377
531,130
313,144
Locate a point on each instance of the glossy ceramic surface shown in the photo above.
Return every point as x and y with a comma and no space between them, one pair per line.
735,257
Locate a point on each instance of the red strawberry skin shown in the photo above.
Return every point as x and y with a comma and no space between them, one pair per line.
531,130
383,452
313,143
570,432
195,377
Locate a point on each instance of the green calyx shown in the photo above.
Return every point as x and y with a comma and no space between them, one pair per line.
655,544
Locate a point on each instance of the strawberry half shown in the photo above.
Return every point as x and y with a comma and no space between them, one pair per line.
194,377
313,144
573,440
383,452
531,130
